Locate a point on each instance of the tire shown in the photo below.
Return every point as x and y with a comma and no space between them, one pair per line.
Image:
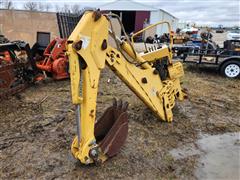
231,69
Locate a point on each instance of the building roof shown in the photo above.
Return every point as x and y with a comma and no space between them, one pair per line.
126,5
168,13
130,5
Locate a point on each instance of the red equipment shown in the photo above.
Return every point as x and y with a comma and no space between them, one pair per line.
55,61
5,57
17,68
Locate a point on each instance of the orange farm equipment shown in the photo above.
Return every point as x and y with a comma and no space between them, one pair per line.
55,62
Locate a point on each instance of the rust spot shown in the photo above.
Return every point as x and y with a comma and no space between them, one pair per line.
155,71
91,113
97,15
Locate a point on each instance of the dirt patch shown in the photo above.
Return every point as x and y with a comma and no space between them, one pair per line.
38,125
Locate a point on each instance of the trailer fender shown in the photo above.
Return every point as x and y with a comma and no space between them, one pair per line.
232,58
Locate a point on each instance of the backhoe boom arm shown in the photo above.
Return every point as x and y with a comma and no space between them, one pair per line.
88,52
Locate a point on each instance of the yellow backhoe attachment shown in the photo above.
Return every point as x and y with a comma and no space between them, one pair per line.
150,75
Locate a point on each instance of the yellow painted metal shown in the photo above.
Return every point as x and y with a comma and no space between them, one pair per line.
131,52
157,54
148,92
91,56
92,35
157,24
75,76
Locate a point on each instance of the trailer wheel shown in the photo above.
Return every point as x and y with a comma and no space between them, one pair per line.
230,69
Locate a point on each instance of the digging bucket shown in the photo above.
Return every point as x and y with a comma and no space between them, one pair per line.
112,128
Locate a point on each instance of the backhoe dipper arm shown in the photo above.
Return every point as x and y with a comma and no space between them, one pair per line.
88,52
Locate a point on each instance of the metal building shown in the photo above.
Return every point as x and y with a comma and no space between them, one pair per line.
134,15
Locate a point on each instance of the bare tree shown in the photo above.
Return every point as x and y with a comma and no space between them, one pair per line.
65,8
7,4
57,8
76,9
44,6
47,6
40,6
31,6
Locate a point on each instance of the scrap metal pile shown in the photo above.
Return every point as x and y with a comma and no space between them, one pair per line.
17,69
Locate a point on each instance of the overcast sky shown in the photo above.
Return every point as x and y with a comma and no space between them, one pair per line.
209,12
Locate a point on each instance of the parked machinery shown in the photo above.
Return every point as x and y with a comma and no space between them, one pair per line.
17,68
55,63
226,59
151,75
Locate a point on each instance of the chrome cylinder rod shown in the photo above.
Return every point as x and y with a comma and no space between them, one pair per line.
78,120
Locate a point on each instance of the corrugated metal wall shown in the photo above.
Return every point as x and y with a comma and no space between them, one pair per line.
156,16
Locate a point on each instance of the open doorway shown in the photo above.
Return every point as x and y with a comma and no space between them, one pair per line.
128,20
